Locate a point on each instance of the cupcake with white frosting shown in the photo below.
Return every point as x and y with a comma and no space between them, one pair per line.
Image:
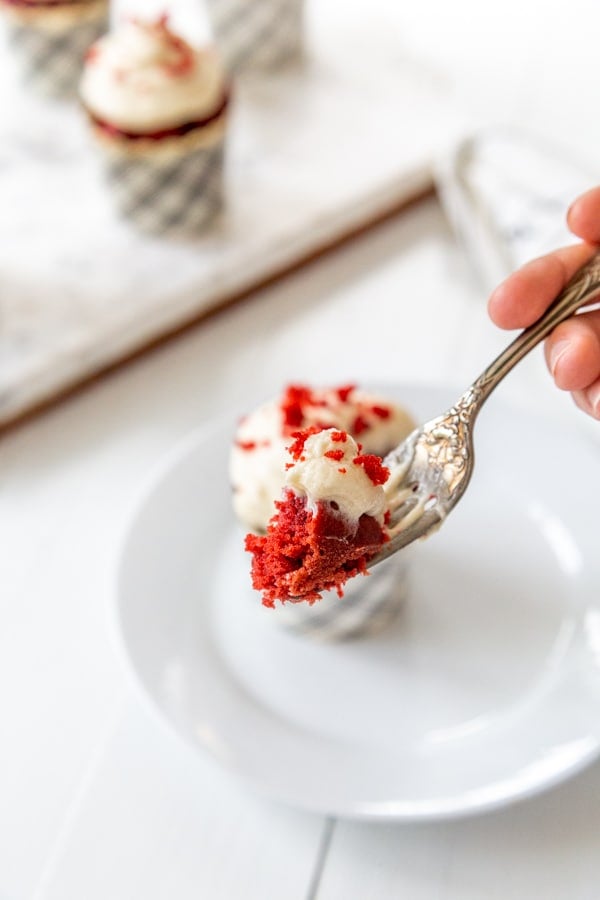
158,111
257,34
50,38
259,455
283,462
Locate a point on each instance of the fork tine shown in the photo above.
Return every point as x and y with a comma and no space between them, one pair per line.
422,526
402,508
408,512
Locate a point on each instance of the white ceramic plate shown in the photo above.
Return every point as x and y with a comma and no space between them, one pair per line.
486,690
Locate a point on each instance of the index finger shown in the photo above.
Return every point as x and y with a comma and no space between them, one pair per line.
583,217
520,300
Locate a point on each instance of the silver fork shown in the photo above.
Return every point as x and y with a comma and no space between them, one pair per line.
431,469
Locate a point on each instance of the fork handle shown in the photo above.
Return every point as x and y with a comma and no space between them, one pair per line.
583,287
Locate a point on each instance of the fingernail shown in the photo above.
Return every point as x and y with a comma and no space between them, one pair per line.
556,353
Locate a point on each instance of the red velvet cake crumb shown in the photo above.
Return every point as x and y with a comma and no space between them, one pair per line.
373,466
298,399
304,553
296,449
382,412
359,425
345,391
248,446
292,405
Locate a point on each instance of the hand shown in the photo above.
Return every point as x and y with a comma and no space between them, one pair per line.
573,349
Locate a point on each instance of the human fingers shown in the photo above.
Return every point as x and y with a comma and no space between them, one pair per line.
573,352
521,299
588,400
583,217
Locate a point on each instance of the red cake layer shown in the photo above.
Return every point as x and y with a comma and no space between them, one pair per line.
303,553
35,4
176,131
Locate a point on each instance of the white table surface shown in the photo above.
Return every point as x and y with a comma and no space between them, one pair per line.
97,799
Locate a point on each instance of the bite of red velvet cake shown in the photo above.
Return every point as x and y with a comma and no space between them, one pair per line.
330,520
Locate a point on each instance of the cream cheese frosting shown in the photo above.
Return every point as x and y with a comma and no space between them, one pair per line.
259,455
327,472
143,78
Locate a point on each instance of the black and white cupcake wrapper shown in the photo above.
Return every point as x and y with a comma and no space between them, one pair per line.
257,34
370,604
178,195
51,60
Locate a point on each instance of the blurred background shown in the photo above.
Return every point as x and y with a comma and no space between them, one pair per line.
492,108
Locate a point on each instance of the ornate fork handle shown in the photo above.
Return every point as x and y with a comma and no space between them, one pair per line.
581,290
432,467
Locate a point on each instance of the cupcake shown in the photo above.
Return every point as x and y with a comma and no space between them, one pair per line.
158,111
307,480
257,34
50,39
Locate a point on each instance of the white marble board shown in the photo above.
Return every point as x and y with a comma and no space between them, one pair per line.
315,154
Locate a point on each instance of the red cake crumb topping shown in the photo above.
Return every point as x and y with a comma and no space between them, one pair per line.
359,425
184,62
292,403
248,446
297,448
377,472
338,455
184,58
304,553
345,391
339,436
382,412
299,402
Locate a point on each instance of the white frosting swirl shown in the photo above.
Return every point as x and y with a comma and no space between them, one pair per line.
336,480
143,78
259,455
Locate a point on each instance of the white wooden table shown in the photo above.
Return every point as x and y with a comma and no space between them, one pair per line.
97,800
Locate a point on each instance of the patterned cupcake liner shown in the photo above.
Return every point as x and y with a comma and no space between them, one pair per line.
257,34
370,605
169,195
51,59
